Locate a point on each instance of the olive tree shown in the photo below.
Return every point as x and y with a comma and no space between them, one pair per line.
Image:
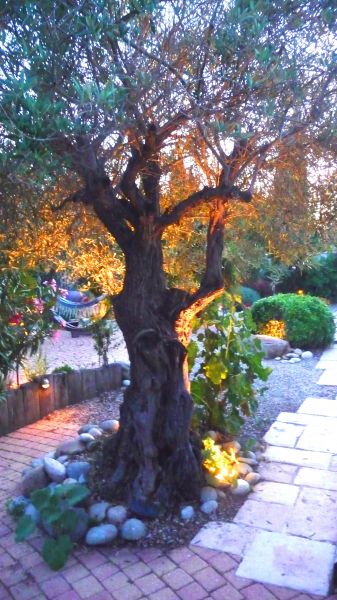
96,93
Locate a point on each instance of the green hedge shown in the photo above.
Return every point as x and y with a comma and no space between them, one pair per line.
308,321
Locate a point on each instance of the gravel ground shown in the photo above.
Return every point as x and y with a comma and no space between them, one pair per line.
288,386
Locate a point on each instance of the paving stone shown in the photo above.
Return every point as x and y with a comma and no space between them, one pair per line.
323,439
294,456
258,592
280,493
193,591
283,434
326,364
163,564
329,354
209,579
263,515
314,515
316,478
87,586
320,406
149,584
226,592
278,472
164,594
193,564
225,537
333,464
177,579
304,419
129,592
289,561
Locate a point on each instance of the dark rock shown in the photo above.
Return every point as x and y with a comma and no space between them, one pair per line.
35,479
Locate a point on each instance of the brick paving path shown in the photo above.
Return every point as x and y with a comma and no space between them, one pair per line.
186,573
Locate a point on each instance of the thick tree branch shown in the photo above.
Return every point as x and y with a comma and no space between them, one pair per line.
207,194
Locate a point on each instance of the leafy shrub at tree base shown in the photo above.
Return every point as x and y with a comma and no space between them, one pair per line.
227,363
308,321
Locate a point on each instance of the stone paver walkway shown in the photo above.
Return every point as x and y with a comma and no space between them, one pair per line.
286,531
185,573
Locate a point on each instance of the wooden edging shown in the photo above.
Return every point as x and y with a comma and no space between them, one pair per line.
30,402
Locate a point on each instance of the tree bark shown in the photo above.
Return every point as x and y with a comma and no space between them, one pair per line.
153,459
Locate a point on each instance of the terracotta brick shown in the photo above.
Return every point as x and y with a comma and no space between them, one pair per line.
124,558
258,592
193,564
177,579
222,562
69,595
236,581
180,554
93,559
75,572
128,592
204,553
87,586
25,590
162,565
115,582
193,591
227,592
164,594
55,586
41,572
102,572
136,570
5,594
12,575
149,584
282,593
149,554
210,579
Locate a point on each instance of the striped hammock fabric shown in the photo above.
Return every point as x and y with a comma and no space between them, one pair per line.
76,311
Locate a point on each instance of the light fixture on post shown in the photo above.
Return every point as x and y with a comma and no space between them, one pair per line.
44,383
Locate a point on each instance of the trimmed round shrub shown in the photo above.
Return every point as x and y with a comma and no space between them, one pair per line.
308,321
249,296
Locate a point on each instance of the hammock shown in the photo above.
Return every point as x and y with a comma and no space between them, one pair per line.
77,315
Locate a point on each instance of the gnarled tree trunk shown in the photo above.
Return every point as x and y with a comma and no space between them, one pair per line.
154,458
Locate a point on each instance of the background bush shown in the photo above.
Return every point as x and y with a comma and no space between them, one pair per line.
249,296
308,321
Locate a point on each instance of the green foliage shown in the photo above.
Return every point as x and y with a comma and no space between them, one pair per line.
25,316
63,369
248,295
36,368
308,321
54,506
321,278
102,333
230,362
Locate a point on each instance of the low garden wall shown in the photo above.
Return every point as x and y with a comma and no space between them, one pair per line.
30,402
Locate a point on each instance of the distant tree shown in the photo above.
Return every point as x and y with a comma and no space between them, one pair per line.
98,93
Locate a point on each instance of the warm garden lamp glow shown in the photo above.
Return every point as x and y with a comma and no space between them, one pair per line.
45,383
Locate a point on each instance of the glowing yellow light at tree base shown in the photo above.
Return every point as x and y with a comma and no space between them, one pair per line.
274,328
220,463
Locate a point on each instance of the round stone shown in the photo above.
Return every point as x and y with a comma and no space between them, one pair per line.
243,469
241,488
277,358
298,351
63,459
307,354
70,481
209,507
102,534
17,505
35,479
187,513
208,493
97,511
110,425
54,469
76,469
86,428
253,478
37,462
234,445
86,437
33,513
72,447
133,529
95,432
294,360
126,383
117,514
